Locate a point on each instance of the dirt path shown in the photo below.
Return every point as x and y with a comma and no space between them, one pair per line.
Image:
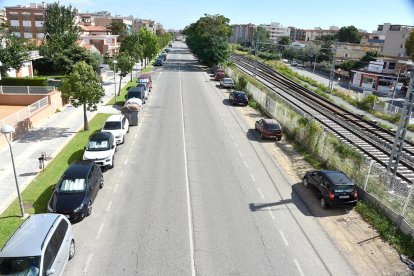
358,242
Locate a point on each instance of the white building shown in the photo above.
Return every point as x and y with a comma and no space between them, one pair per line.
276,31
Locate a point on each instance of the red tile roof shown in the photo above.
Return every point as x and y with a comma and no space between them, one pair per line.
93,28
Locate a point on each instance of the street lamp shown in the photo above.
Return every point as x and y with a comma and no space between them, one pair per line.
7,129
115,62
396,82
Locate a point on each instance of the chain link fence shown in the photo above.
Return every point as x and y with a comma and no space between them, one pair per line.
392,195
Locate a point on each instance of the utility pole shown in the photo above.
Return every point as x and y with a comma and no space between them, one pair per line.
332,75
398,145
256,46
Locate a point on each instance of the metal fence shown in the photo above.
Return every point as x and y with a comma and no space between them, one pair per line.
25,113
372,178
26,89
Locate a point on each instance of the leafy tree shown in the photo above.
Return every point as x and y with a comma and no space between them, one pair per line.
133,47
325,53
370,56
118,28
125,65
83,86
208,39
149,43
326,38
348,34
409,45
13,53
59,26
349,65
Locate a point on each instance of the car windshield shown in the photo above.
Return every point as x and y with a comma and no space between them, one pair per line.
143,80
229,81
72,185
98,145
112,125
141,85
273,127
27,266
241,96
344,188
339,178
134,94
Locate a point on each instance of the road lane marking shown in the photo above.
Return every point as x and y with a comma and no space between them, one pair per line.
100,231
121,174
270,213
228,130
235,144
116,187
231,136
245,164
240,153
187,182
260,192
298,267
283,237
88,261
126,161
109,206
252,177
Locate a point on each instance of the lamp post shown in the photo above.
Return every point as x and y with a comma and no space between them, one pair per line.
115,62
7,129
396,82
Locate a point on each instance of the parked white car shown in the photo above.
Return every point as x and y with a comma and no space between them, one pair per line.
101,148
118,125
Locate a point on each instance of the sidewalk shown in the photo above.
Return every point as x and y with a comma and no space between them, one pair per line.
49,137
339,101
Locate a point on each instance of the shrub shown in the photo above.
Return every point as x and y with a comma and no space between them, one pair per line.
39,81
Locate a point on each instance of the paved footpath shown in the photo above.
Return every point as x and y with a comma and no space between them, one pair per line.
50,136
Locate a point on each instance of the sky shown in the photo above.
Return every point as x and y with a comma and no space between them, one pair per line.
305,14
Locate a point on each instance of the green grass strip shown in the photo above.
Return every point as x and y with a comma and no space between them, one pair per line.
38,193
120,100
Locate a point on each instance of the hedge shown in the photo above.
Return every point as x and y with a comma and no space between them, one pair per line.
24,81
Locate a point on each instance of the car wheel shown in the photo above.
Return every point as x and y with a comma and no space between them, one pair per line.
113,162
128,129
102,183
89,209
305,182
261,136
323,203
123,139
72,249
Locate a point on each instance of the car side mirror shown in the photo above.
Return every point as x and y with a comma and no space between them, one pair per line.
50,272
84,148
113,146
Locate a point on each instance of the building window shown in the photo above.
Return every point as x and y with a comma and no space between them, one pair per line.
27,29
14,16
27,35
391,65
40,30
26,16
14,29
39,17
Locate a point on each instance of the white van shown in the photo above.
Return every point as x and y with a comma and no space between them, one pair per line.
42,245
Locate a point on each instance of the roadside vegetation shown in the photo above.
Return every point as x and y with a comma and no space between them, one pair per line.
38,192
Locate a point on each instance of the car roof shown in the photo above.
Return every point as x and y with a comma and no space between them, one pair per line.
30,236
115,118
227,79
78,169
136,89
270,121
238,92
341,181
100,135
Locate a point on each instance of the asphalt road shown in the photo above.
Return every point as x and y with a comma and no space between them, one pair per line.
194,193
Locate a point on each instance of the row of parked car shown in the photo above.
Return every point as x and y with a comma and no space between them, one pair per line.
44,242
332,188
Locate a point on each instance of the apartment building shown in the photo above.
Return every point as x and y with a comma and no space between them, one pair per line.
148,24
26,21
242,33
276,31
395,37
297,34
311,35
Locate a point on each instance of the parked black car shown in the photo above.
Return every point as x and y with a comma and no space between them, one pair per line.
333,188
76,190
159,62
238,97
136,92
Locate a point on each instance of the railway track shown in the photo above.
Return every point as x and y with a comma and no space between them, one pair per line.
372,140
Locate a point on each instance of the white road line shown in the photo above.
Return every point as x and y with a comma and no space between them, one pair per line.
235,144
245,164
252,177
228,130
121,174
100,231
270,213
231,136
240,153
260,192
88,261
126,161
116,187
283,237
109,206
187,182
298,267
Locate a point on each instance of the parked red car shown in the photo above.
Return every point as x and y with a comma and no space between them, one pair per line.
218,75
146,78
269,128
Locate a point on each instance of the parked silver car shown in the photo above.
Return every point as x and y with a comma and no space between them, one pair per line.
226,83
42,245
